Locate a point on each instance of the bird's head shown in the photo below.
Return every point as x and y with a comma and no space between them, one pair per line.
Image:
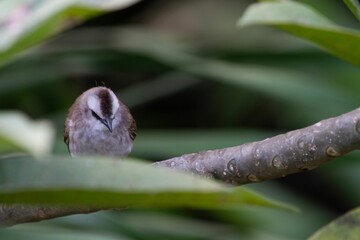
104,107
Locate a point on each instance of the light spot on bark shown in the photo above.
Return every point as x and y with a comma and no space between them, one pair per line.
301,143
331,152
278,163
199,167
304,169
253,178
318,124
232,166
257,153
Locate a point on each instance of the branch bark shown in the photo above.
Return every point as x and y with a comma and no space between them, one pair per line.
296,151
15,213
275,157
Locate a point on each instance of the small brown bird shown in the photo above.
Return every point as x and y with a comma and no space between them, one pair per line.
98,123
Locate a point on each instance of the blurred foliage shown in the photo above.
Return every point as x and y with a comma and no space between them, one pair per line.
345,227
306,23
354,7
195,81
105,183
19,133
25,23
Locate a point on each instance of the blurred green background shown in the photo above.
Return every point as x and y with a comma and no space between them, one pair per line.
195,81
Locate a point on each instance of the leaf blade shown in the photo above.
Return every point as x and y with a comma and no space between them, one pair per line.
354,7
100,182
304,22
26,23
345,227
19,133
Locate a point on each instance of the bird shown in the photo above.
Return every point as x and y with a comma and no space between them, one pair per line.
98,123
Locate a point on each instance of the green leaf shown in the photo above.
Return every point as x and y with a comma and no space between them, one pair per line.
304,22
108,183
344,227
25,23
285,84
19,133
354,7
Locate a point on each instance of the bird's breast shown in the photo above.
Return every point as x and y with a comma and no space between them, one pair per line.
100,141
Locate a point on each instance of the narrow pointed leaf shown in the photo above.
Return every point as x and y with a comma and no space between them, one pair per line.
24,23
354,7
109,183
344,227
19,133
304,22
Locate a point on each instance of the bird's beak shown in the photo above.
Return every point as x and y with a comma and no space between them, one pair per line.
108,123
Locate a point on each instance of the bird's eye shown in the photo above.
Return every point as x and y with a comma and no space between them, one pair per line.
95,115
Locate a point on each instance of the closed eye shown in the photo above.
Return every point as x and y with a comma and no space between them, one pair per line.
95,115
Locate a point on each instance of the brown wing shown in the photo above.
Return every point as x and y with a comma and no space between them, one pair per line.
67,125
66,134
132,128
70,115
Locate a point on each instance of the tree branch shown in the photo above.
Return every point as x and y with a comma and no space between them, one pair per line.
11,214
295,151
275,157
